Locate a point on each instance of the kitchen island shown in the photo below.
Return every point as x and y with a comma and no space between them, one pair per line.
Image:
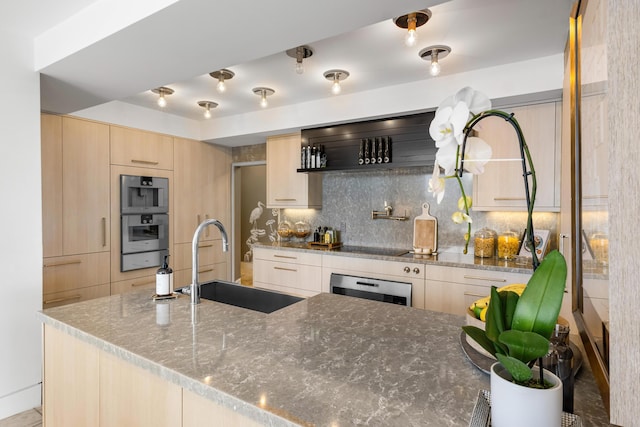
329,360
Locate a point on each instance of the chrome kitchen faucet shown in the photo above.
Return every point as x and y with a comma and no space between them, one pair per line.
195,286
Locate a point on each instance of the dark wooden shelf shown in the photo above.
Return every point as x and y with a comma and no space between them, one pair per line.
411,145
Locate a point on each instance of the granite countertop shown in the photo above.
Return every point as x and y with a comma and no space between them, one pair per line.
449,257
329,360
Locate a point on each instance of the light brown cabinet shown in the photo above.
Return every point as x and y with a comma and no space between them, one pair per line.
71,383
74,278
81,164
501,186
75,166
286,188
453,289
86,386
75,209
134,147
202,188
51,146
296,273
212,263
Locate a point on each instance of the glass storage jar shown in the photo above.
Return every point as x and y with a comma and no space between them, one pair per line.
508,245
301,229
285,230
484,243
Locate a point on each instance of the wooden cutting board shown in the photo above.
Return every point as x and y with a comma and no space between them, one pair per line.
425,232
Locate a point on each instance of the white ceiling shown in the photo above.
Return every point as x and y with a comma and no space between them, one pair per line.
178,45
480,33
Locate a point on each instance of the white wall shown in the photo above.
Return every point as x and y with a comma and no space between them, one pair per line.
20,228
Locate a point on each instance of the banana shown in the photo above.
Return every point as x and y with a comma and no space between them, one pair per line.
479,306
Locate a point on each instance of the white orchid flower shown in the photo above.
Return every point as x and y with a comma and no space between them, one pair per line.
475,101
476,154
461,202
436,184
461,217
448,124
447,157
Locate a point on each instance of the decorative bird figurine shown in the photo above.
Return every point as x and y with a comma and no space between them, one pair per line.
256,213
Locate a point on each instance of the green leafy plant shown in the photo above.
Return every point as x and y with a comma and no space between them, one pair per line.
518,329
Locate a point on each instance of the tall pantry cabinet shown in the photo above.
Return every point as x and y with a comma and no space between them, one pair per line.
75,204
202,191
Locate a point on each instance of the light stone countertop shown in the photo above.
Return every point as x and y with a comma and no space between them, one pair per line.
329,360
449,257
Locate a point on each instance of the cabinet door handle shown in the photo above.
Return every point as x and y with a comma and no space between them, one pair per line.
600,196
286,200
198,220
134,285
407,270
104,231
205,245
489,279
284,256
206,270
508,199
416,270
471,294
57,264
285,269
207,231
51,301
144,162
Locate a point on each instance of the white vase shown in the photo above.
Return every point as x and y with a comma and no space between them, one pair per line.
516,405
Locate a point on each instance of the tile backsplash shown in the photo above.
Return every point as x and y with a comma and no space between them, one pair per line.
349,197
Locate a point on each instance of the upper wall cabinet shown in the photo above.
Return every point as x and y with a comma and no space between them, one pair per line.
501,186
133,147
285,187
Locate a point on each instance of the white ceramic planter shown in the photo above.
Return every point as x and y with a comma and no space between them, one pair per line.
515,405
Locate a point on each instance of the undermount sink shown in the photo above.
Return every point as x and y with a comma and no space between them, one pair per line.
246,297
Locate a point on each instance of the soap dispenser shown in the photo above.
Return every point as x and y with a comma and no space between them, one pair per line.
164,279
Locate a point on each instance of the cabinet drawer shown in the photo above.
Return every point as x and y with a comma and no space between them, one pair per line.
76,271
209,253
301,277
146,282
474,276
132,147
55,299
452,298
284,256
207,273
284,289
367,267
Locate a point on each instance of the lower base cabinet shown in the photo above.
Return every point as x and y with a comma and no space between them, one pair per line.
291,272
453,289
85,386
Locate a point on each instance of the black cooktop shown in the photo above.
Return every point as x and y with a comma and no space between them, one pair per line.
372,251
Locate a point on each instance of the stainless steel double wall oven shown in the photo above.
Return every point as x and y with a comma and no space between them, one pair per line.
144,221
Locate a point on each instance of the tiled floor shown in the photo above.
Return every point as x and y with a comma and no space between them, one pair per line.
30,418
